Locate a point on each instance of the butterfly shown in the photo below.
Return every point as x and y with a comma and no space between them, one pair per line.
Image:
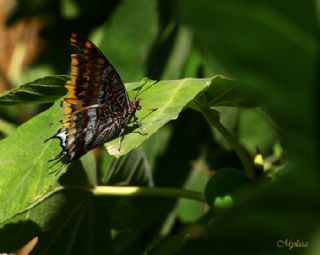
97,106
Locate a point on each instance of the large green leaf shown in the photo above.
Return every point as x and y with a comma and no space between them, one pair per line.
42,90
167,99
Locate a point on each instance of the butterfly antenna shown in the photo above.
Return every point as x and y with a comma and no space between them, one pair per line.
141,91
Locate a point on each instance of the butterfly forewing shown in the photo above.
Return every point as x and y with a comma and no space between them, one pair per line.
93,79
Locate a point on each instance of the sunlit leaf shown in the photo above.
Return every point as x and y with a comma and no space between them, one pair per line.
161,103
26,179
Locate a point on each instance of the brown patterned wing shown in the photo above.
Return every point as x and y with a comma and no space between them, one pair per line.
96,105
93,79
88,128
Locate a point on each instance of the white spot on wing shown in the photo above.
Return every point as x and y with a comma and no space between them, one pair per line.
90,130
63,137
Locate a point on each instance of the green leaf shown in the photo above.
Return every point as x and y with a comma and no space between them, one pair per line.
26,179
42,90
227,92
132,169
168,98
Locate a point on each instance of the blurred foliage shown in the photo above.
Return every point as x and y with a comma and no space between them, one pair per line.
245,139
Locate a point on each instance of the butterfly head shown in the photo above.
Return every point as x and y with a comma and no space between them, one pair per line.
135,104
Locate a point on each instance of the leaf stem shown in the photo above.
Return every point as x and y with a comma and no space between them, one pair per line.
147,191
213,121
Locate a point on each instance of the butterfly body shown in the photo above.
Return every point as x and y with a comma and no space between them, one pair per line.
97,106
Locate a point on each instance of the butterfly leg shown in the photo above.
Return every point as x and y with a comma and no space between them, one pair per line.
121,137
138,122
60,170
60,155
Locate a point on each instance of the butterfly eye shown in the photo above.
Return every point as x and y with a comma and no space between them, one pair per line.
137,104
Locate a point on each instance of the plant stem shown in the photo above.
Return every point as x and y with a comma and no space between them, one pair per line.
129,191
213,121
147,191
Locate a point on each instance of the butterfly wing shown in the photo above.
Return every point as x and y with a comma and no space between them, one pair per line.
96,100
93,79
88,128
